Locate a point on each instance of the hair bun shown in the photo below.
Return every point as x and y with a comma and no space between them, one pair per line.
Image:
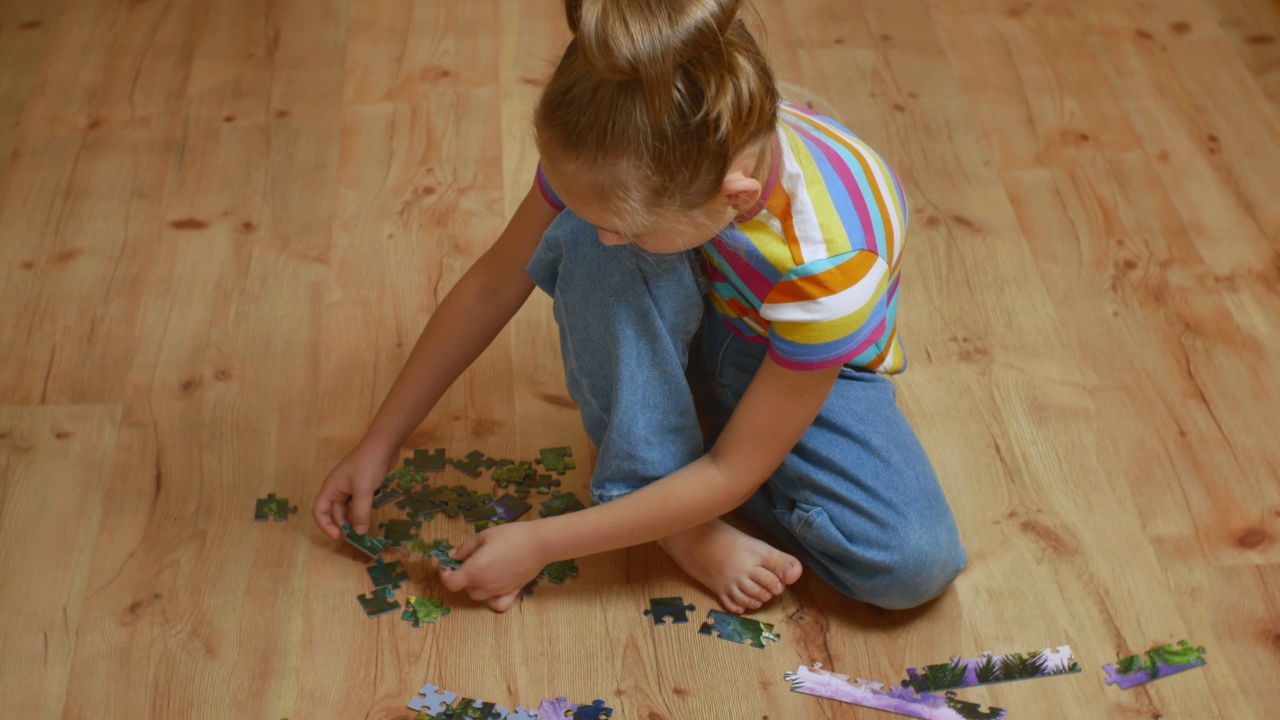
647,40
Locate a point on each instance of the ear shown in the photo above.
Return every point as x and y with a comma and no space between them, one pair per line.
740,191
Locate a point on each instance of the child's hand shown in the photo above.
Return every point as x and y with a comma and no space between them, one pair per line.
497,563
356,477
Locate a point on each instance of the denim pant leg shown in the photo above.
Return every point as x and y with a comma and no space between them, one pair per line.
626,320
857,499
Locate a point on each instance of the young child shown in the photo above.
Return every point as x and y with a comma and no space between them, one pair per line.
702,240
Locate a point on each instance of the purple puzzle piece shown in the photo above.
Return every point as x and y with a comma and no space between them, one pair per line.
991,669
556,709
899,700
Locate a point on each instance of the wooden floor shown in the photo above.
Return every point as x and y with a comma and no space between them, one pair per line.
223,224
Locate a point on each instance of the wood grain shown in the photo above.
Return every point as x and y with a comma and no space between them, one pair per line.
223,225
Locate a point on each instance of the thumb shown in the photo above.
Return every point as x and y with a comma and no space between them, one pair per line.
361,506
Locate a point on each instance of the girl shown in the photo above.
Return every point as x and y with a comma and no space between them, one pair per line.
702,242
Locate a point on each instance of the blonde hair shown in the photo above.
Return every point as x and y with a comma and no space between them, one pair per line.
661,95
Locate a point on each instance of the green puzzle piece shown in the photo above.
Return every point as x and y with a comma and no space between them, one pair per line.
368,544
378,602
272,508
438,550
557,572
561,504
420,610
557,460
387,574
738,629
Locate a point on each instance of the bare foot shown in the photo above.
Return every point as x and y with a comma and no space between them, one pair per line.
743,571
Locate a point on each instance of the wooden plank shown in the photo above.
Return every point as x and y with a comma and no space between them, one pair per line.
1254,29
53,463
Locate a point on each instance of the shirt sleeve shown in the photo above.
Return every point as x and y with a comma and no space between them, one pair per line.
835,311
548,194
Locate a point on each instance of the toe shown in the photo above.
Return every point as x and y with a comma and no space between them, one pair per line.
767,580
744,599
754,591
787,568
728,603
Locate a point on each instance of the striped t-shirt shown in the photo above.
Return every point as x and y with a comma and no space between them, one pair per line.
813,269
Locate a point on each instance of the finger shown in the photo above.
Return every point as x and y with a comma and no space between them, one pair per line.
453,580
361,506
321,512
503,603
340,514
466,549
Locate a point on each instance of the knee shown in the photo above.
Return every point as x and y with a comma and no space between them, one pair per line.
905,570
917,575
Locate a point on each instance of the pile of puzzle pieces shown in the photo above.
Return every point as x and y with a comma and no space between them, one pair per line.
436,704
411,492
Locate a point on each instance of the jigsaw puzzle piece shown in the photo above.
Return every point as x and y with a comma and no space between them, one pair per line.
558,708
1160,662
738,629
420,610
418,504
378,602
669,608
482,510
509,508
561,504
556,460
899,700
432,699
438,550
522,713
425,462
542,483
398,532
557,572
990,669
473,464
595,711
387,574
272,508
509,472
367,544
384,496
452,501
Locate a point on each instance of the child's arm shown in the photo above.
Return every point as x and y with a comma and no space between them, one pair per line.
464,324
777,409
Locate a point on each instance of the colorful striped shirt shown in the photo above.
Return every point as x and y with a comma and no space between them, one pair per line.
813,269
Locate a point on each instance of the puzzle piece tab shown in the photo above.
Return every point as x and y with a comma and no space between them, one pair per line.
272,508
557,460
378,602
737,629
370,545
669,608
558,708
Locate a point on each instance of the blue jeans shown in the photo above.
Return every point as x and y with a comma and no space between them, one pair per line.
856,501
